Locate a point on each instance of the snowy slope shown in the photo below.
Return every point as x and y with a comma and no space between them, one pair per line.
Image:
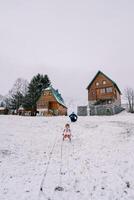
97,165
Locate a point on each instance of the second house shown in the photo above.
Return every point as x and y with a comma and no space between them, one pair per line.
51,103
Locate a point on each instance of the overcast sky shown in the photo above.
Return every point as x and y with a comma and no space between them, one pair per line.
70,40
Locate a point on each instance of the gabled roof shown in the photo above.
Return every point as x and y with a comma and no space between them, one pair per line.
99,72
57,95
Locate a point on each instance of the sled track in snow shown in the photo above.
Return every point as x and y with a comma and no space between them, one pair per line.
64,163
64,171
64,150
61,157
43,182
46,170
61,160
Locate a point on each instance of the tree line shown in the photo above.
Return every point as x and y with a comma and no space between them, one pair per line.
26,94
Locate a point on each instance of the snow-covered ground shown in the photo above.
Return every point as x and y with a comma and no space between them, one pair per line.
97,165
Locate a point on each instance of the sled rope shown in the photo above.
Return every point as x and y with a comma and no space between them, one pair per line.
46,170
61,157
59,186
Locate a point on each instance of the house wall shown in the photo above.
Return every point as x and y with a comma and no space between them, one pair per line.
4,111
118,98
47,105
82,110
94,92
62,110
102,101
44,100
105,109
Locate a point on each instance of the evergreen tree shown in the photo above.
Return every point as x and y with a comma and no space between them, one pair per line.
37,84
16,101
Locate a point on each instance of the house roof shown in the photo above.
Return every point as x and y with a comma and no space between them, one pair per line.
57,95
99,72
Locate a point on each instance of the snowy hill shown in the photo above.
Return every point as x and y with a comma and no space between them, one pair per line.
35,164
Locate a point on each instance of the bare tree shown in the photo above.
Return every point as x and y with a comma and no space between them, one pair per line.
20,85
129,95
16,94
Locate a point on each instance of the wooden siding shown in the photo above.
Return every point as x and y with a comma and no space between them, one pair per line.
102,89
47,101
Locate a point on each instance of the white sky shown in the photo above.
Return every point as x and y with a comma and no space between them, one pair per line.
70,40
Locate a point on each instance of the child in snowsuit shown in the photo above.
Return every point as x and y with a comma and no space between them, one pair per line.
67,132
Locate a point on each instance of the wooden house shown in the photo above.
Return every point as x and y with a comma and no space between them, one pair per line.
104,96
51,103
24,112
3,111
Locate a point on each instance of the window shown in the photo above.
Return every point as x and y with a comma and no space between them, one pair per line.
104,82
97,83
109,89
47,93
102,91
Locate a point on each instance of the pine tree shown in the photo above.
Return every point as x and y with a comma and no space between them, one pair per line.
37,84
16,101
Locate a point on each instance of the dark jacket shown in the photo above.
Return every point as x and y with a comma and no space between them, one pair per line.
73,117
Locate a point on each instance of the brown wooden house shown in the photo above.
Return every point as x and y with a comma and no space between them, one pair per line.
3,111
51,103
104,96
